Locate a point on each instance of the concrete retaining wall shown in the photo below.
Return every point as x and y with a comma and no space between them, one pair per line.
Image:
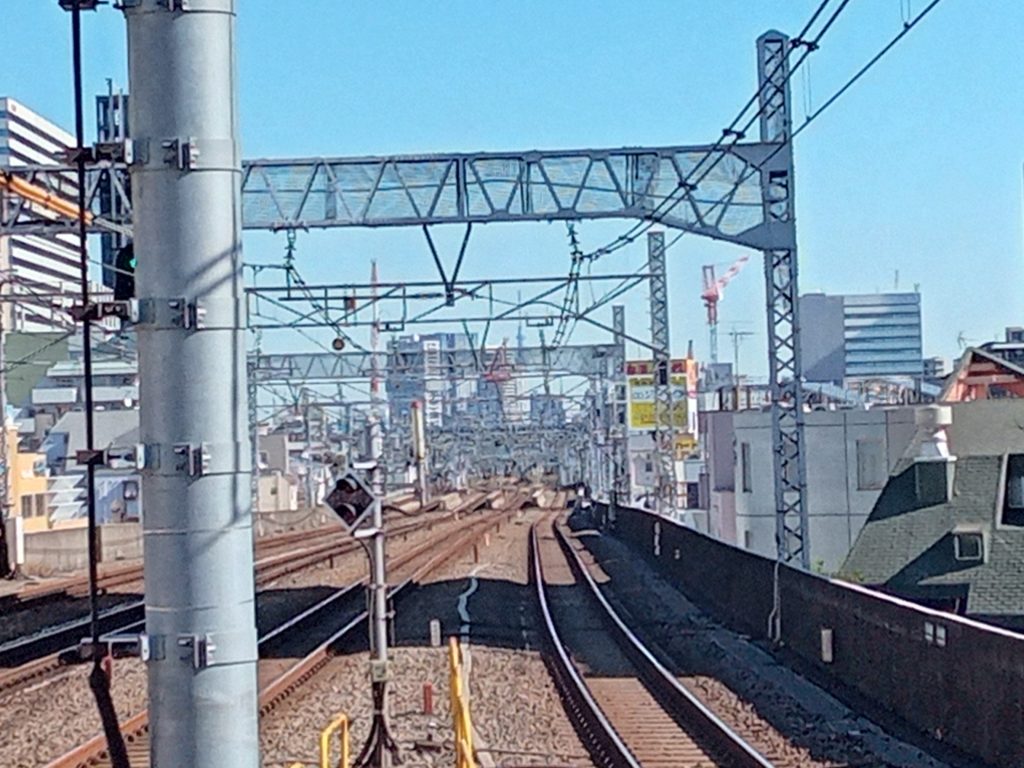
955,679
66,549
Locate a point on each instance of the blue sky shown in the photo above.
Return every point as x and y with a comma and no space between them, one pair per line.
917,169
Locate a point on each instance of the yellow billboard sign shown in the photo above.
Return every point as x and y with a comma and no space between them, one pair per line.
640,394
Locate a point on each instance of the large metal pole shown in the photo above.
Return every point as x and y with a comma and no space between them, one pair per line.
620,470
783,305
200,643
419,447
380,748
8,565
664,411
621,452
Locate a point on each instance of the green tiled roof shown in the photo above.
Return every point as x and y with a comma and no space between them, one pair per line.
908,549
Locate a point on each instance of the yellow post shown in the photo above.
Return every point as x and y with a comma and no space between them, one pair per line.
339,724
462,723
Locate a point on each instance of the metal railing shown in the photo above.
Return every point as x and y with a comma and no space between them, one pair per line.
339,725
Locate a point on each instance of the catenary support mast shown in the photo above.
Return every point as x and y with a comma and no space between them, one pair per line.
783,306
186,177
664,416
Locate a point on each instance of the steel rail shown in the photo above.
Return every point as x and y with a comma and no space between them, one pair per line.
93,752
609,749
667,688
33,656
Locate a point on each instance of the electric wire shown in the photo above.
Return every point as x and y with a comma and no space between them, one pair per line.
836,95
719,150
688,184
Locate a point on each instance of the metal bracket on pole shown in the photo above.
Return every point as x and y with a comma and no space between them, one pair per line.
191,459
127,311
202,647
183,153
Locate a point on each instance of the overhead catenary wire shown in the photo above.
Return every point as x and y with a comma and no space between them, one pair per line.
716,152
831,100
836,95
731,134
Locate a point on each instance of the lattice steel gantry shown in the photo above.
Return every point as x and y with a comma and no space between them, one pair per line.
664,413
782,294
738,192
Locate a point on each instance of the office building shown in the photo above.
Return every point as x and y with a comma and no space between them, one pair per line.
418,372
40,265
853,338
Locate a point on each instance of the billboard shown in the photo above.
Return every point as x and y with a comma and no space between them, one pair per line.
640,396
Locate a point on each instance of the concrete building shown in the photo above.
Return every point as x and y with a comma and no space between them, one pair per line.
41,264
849,456
118,494
948,529
417,372
719,482
856,337
27,484
547,410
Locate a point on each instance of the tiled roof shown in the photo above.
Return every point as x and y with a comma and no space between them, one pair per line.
908,548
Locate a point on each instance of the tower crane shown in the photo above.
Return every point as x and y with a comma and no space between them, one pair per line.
712,294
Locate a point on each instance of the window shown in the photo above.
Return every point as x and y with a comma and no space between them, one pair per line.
969,546
26,506
41,505
871,469
1013,508
747,486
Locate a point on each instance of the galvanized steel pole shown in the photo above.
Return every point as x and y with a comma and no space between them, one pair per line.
200,642
419,447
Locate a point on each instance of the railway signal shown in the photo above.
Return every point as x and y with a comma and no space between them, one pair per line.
351,500
124,273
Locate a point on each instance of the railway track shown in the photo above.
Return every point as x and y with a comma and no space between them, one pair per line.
628,708
309,635
117,576
31,658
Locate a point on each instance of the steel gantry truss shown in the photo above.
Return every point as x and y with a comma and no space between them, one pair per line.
478,188
735,191
509,186
588,360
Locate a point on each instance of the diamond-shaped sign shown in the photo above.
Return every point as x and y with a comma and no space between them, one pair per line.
351,500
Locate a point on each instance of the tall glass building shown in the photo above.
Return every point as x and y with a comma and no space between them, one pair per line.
861,336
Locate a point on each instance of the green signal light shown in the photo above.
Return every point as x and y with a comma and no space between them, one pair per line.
133,262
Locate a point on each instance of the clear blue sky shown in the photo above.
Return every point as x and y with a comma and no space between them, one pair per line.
918,169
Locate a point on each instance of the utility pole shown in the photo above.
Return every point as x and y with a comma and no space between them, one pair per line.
737,339
200,639
7,568
380,747
419,447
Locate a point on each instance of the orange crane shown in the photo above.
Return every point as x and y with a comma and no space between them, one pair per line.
499,371
712,294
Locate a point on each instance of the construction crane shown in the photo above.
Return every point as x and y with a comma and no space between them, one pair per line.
712,294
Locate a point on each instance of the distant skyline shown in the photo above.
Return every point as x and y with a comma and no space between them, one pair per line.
916,171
